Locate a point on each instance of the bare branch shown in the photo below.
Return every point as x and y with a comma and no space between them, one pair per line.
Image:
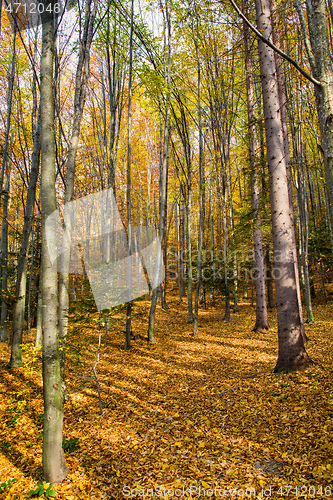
274,47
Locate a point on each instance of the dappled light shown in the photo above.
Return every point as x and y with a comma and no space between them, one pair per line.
185,411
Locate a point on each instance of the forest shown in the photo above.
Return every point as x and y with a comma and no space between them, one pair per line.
166,208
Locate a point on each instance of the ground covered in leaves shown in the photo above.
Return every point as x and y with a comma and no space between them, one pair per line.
182,418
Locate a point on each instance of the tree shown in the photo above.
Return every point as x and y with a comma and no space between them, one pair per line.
20,289
128,186
4,189
54,466
81,79
163,174
261,324
292,354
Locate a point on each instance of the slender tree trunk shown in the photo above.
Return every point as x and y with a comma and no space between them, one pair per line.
4,192
54,466
261,324
4,256
20,290
81,80
319,54
269,277
163,178
38,341
225,252
201,181
128,188
292,353
182,292
189,251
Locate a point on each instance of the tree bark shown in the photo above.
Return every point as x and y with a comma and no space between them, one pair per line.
319,55
261,324
292,353
163,178
54,466
201,180
5,193
81,80
128,187
20,290
283,114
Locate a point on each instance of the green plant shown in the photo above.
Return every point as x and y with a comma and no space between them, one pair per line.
7,483
70,444
43,488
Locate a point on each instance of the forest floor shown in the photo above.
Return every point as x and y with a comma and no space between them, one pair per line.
182,418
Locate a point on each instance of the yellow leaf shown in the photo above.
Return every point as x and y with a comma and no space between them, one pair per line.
297,408
117,473
201,444
204,484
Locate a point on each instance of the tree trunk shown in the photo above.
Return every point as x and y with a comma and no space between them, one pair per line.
283,115
189,250
4,191
321,67
4,256
201,182
261,324
269,277
292,353
163,178
54,466
128,187
20,290
81,80
38,341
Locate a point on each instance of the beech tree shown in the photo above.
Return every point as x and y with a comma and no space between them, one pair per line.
54,466
261,324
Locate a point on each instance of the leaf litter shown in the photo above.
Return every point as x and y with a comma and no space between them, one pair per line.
202,410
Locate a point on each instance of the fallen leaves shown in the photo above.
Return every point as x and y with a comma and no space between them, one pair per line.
204,411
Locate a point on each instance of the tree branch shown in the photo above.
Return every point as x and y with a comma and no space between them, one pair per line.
272,46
